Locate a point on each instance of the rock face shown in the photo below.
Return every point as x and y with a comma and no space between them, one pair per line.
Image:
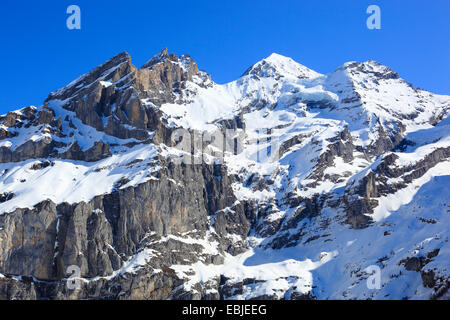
157,183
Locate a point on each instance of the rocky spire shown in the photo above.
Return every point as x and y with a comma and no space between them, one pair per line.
158,58
112,70
165,74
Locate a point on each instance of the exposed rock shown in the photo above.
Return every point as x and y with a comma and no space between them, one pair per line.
158,224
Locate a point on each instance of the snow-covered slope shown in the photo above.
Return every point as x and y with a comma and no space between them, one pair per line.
329,175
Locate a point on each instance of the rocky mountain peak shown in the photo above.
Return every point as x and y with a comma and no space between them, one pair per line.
164,77
369,68
277,66
114,97
90,179
112,70
158,58
164,57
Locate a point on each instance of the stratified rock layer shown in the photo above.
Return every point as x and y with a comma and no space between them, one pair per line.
92,181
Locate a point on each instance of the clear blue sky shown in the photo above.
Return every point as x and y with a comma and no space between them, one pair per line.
39,54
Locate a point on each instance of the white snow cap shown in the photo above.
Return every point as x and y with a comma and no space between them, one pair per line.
277,64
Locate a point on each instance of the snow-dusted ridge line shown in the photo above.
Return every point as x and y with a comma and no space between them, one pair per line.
335,132
73,181
392,202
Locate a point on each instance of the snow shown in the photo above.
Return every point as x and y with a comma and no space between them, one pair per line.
73,181
290,101
209,105
383,100
106,84
339,274
393,202
344,253
350,98
352,250
80,84
284,66
84,135
238,269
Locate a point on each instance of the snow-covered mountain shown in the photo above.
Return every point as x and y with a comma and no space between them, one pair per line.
157,183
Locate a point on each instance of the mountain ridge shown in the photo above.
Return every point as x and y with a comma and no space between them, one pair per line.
158,183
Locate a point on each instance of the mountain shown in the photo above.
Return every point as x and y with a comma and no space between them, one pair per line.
158,183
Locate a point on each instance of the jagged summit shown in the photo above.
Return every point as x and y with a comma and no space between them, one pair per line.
163,59
111,70
163,67
159,57
96,178
369,68
114,97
